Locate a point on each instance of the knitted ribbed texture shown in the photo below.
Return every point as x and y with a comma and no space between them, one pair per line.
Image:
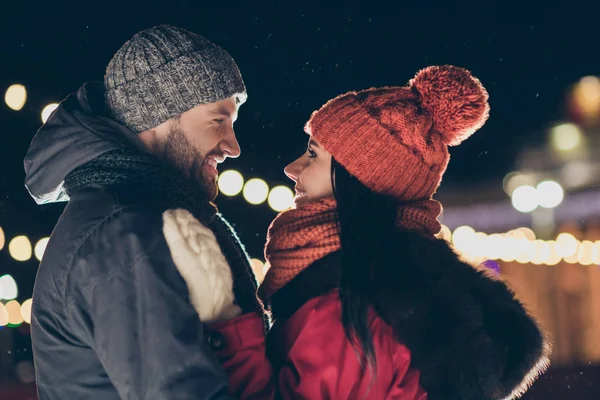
420,217
150,177
299,237
165,71
375,153
395,139
296,239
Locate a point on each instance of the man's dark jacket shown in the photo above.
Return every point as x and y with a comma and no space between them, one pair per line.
111,316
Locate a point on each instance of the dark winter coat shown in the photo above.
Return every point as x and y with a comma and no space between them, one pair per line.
445,328
111,315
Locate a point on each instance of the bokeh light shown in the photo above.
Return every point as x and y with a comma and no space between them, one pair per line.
40,248
25,372
462,237
3,315
256,191
26,310
14,313
554,257
515,179
258,268
566,245
495,246
549,194
2,238
8,288
49,109
566,137
585,251
281,198
576,173
524,198
445,233
585,98
20,248
231,183
526,232
15,97
596,253
542,252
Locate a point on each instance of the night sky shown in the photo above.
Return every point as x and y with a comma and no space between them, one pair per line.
294,60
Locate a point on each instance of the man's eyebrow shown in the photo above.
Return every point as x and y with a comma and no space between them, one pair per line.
313,143
221,111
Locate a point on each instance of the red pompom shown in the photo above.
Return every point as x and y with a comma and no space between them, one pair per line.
456,101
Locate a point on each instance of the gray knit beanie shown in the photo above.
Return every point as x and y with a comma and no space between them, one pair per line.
165,71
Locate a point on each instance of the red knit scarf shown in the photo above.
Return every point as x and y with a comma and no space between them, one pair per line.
301,236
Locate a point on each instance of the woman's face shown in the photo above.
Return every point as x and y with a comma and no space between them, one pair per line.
312,174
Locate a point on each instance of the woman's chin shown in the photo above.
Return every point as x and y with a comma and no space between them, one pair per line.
300,201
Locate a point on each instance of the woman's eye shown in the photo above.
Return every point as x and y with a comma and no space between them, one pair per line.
311,154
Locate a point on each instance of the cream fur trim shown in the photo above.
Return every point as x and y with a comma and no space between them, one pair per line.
201,263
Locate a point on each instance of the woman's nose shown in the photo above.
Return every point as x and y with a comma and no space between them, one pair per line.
292,171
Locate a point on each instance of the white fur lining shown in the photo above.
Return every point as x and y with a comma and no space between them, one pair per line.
199,260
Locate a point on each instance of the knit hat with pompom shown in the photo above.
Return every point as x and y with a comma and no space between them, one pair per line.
395,139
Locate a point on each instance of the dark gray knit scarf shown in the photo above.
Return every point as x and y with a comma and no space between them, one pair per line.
127,167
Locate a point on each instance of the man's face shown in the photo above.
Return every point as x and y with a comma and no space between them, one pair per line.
198,140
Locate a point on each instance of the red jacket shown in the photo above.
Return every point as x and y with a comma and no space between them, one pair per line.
469,337
313,358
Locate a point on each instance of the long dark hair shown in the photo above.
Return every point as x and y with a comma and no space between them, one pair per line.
366,221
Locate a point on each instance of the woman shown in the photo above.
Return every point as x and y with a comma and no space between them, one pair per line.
366,301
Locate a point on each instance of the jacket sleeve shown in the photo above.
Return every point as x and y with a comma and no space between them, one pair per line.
241,349
321,363
133,308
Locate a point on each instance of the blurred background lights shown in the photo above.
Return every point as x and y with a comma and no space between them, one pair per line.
596,253
26,310
554,258
585,98
522,246
15,97
14,312
566,245
8,288
40,248
3,315
549,194
231,183
445,233
256,191
566,137
526,233
281,198
2,238
258,267
515,179
524,198
20,248
576,173
585,252
25,372
462,237
48,110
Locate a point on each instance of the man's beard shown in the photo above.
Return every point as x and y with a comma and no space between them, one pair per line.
179,153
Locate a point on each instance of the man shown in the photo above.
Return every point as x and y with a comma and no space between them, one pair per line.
111,314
